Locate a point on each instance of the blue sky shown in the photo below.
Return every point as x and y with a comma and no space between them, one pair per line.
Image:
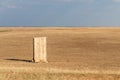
59,12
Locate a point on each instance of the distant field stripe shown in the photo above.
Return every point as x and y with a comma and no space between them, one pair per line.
5,30
55,70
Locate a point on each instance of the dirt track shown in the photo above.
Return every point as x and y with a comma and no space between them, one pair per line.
69,48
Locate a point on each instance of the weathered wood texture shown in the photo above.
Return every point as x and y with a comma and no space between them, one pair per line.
39,49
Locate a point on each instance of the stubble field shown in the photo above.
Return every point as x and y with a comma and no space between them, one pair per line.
73,54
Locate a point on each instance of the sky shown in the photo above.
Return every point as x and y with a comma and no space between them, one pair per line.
59,12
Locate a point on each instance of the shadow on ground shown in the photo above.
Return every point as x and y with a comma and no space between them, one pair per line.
19,60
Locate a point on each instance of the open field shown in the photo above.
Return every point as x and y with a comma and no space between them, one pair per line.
73,54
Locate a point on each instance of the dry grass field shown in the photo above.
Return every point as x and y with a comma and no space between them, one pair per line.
73,54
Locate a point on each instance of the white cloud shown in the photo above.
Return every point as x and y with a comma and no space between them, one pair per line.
6,4
69,0
116,0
